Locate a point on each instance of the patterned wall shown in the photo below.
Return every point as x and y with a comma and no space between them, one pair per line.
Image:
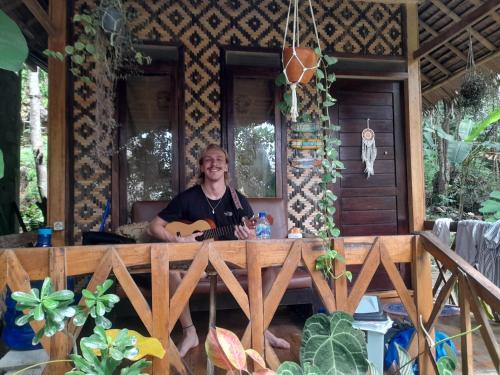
202,26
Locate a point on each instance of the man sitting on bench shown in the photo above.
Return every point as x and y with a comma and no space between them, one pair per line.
211,199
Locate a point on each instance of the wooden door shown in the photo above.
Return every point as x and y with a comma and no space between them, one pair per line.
376,205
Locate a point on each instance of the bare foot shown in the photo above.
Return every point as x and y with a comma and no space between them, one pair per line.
276,342
189,340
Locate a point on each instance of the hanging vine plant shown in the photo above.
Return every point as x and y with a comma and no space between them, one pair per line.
317,66
101,54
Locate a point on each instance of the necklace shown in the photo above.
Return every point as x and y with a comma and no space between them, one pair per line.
216,205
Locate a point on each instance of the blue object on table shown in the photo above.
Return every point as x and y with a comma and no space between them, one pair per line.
402,338
14,336
44,237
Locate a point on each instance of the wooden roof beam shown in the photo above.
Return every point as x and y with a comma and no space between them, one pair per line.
41,15
438,65
448,45
493,15
455,17
450,32
461,72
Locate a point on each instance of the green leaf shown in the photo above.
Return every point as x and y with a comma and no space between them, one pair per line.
46,287
110,298
62,295
25,298
69,50
320,86
79,46
49,304
99,308
289,368
38,336
59,55
328,103
330,60
90,48
88,294
38,313
348,275
23,319
405,362
320,74
331,78
280,79
116,354
136,368
478,128
78,59
13,46
330,342
458,151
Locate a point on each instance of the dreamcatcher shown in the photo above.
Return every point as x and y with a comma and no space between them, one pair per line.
368,149
299,63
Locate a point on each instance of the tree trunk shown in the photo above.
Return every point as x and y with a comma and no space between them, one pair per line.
36,133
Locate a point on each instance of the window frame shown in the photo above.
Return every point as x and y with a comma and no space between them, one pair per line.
119,213
228,75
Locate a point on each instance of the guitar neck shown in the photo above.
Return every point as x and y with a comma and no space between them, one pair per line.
224,231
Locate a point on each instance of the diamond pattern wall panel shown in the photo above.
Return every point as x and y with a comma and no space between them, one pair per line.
202,26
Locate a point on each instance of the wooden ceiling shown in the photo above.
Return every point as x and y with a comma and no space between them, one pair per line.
445,27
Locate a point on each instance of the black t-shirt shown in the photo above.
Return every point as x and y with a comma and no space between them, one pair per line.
192,205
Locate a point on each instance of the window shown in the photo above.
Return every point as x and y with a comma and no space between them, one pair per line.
149,137
253,130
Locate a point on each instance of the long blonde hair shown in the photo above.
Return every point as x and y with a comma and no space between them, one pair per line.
212,146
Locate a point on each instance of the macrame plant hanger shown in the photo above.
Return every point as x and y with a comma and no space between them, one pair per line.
368,149
299,64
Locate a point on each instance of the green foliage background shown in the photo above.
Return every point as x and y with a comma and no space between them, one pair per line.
474,178
28,190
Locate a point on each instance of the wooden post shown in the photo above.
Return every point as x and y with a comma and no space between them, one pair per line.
161,306
59,342
57,205
422,285
255,295
413,106
465,325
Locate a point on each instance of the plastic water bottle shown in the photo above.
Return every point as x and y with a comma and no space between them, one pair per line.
44,238
263,228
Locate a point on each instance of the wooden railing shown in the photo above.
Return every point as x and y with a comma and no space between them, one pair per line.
19,266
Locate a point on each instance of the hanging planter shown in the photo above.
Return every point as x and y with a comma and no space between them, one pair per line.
474,86
301,65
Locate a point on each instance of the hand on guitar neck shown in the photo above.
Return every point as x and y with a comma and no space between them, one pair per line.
207,229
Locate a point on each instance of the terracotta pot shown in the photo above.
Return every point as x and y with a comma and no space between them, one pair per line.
294,69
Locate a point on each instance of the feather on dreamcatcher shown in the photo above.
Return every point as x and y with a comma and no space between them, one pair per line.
368,149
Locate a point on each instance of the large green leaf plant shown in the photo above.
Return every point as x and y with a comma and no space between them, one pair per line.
57,308
13,53
330,345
